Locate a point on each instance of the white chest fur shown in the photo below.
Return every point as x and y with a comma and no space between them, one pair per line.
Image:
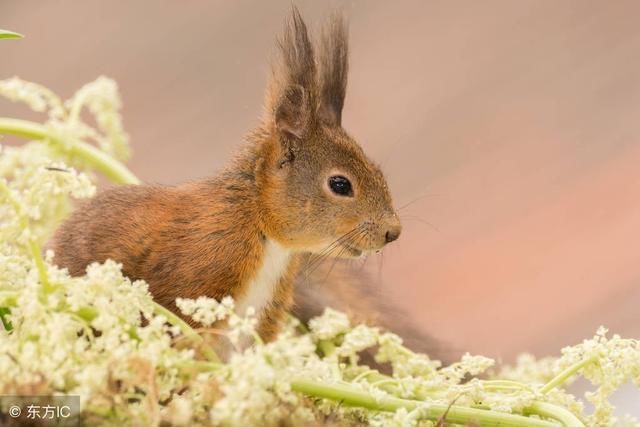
261,288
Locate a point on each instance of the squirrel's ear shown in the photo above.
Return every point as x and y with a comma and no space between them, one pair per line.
334,65
292,113
291,94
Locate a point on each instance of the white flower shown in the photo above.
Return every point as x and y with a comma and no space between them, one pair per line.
330,324
102,99
206,310
36,97
240,327
357,339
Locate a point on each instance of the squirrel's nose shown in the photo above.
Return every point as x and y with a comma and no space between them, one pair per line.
393,228
392,234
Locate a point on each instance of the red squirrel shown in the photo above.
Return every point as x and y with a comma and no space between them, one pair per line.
300,185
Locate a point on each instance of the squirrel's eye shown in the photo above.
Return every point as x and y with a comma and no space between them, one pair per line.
340,185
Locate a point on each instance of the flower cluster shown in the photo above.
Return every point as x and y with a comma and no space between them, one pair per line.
206,310
100,98
102,336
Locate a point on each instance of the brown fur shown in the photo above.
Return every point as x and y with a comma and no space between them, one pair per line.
207,237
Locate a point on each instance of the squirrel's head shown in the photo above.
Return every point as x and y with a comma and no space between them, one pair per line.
320,191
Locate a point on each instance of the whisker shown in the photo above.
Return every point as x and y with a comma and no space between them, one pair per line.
316,259
416,218
351,240
354,241
338,241
333,264
343,248
415,200
327,251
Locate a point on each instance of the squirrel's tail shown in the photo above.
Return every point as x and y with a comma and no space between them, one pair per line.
354,292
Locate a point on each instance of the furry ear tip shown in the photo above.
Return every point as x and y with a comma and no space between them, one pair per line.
336,29
296,16
296,29
297,53
334,65
338,22
292,88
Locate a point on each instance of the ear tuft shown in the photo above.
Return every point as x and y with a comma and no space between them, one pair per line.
291,95
334,66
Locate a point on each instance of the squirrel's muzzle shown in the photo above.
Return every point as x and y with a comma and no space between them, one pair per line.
393,229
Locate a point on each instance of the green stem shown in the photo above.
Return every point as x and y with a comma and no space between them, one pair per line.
351,396
379,384
111,168
301,326
504,384
327,347
200,365
548,410
188,331
6,323
383,382
565,375
86,313
36,254
364,374
6,34
9,298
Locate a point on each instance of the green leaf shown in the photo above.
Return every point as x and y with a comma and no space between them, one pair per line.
5,34
5,322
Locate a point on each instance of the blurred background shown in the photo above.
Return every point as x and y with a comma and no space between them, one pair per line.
508,132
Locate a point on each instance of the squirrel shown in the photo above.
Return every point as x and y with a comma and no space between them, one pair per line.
300,189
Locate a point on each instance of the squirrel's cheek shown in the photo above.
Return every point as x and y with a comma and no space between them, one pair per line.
308,207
